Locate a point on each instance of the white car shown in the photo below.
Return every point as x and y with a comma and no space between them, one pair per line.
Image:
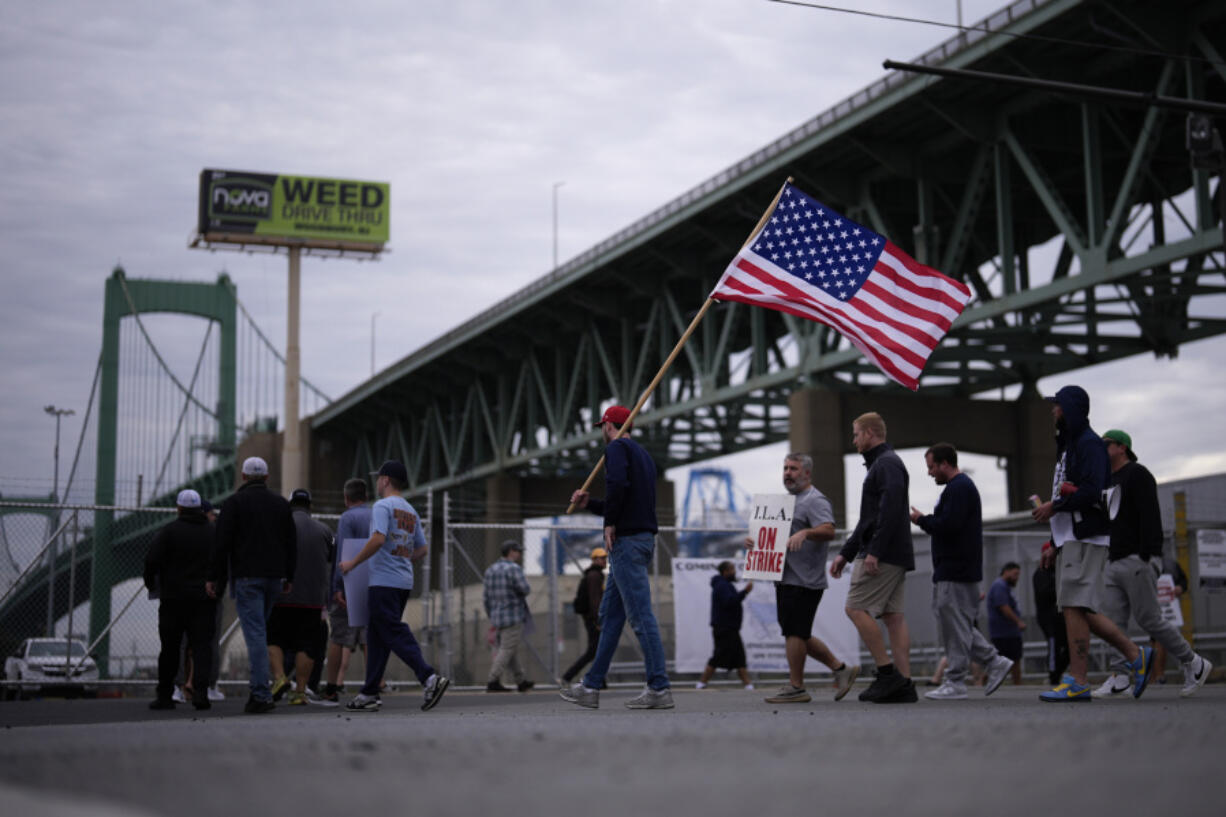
44,663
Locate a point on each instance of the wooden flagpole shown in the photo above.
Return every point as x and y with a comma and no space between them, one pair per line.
655,381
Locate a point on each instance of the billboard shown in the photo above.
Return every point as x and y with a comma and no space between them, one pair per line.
263,208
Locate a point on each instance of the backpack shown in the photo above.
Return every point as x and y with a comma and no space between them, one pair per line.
583,599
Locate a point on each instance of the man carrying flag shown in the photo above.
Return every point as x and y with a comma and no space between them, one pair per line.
811,262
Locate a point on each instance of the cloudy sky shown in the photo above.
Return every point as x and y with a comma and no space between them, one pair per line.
472,111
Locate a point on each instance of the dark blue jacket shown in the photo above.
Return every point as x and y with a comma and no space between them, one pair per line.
726,601
630,496
956,528
1086,465
884,529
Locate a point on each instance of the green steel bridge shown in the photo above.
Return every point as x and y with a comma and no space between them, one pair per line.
1080,223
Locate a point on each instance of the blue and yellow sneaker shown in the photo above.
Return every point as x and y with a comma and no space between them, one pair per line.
1141,670
1067,691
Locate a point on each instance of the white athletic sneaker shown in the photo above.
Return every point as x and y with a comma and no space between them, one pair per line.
700,685
998,669
177,696
844,678
216,694
1115,685
749,686
949,691
1195,673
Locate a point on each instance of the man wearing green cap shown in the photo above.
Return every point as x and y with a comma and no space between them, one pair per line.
1130,580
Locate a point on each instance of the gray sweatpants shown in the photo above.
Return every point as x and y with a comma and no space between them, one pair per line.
1131,586
955,604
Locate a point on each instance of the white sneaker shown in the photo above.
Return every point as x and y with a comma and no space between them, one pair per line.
1115,685
995,676
700,685
749,686
652,699
1195,673
949,691
177,696
844,678
216,694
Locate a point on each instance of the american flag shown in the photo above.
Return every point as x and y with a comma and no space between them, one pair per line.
811,262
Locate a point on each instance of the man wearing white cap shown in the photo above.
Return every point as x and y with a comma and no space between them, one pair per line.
175,568
256,545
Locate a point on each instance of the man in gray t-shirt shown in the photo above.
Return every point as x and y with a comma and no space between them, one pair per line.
804,580
806,567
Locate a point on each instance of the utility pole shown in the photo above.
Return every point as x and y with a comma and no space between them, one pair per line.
58,414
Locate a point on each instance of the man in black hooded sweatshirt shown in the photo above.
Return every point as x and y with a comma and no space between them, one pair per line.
1080,531
176,568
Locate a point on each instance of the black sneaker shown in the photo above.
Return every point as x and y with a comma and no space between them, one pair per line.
161,703
496,686
256,706
201,703
906,695
884,686
524,686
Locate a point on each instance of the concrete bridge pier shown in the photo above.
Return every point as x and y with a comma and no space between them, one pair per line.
1021,431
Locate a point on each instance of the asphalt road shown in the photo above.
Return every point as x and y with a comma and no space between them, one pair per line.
721,751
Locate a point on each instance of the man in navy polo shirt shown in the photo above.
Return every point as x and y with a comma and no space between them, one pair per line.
629,511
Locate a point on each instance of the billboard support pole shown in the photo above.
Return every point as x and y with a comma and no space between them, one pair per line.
291,450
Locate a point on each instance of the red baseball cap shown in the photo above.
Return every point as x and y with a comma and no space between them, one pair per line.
617,415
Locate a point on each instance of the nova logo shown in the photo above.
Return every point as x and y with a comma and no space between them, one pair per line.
240,198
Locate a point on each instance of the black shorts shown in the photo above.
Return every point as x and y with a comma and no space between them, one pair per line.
294,629
1010,647
796,607
729,650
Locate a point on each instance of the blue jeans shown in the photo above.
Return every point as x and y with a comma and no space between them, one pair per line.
254,598
627,595
387,634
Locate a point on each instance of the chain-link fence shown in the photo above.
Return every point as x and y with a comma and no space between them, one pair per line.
48,574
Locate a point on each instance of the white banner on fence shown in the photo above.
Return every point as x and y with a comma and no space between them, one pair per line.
769,525
357,582
760,628
1168,601
1211,558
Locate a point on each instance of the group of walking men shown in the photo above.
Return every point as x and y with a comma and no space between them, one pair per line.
1103,573
284,570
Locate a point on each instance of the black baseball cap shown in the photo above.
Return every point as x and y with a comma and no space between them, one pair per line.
510,545
301,496
395,470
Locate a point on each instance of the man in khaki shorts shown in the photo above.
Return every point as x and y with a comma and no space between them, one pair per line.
881,554
1081,533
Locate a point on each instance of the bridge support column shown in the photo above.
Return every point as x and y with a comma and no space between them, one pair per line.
1030,467
819,429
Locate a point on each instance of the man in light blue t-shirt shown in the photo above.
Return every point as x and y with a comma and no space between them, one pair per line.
396,540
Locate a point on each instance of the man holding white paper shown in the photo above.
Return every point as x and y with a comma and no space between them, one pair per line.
799,591
396,540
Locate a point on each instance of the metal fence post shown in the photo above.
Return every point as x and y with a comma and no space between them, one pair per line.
72,590
551,561
427,589
446,585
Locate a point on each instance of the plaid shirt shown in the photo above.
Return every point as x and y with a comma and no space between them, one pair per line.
505,592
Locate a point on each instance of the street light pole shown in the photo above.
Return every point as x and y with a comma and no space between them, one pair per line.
58,414
556,185
373,315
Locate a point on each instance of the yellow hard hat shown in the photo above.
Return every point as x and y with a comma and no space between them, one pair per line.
599,553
